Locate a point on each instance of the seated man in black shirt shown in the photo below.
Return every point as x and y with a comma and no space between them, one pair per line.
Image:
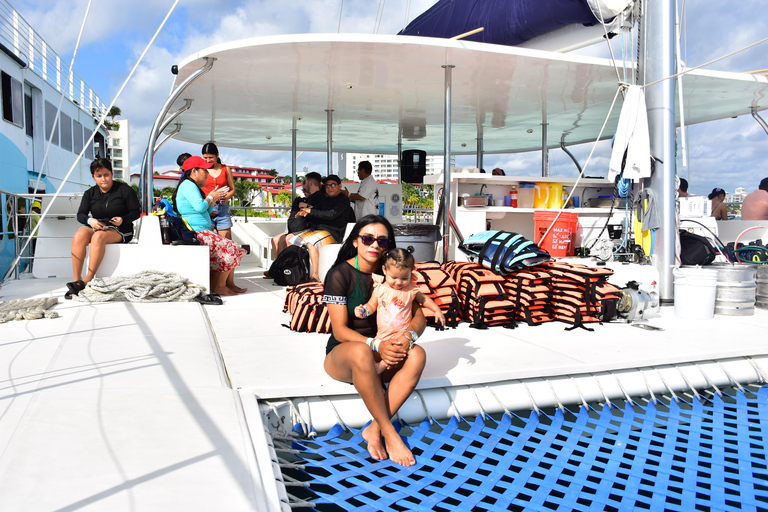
313,197
327,222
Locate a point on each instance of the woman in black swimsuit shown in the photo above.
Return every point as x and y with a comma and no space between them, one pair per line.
350,356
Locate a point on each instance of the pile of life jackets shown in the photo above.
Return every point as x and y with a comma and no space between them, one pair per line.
572,293
550,291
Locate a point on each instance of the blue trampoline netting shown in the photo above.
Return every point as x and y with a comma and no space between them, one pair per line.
692,453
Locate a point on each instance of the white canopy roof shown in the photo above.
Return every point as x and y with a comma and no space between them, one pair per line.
375,84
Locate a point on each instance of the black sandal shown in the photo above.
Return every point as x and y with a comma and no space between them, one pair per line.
210,299
74,288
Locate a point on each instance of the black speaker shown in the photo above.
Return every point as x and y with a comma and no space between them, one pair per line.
413,166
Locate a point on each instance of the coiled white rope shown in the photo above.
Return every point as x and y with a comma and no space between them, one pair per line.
27,309
146,286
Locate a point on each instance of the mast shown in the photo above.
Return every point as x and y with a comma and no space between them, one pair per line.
657,61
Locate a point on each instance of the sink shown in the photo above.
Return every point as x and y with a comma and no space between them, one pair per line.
481,200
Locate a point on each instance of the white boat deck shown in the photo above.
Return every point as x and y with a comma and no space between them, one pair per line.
121,406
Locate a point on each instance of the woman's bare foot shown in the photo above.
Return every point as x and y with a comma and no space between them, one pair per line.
398,452
237,289
372,436
224,291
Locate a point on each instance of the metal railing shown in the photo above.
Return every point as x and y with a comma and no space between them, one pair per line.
280,211
21,39
413,214
17,224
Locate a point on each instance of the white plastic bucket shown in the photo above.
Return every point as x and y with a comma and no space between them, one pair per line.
695,291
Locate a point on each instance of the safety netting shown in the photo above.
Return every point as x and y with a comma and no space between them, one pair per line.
691,452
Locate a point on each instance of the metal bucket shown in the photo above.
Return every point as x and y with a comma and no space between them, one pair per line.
762,287
736,290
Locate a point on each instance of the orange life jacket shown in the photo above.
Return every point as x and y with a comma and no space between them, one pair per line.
483,299
438,285
304,302
583,293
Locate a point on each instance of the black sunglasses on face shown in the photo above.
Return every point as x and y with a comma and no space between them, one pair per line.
368,240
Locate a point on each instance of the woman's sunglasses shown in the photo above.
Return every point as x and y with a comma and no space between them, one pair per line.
368,240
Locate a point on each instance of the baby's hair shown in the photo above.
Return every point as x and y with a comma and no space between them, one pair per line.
400,258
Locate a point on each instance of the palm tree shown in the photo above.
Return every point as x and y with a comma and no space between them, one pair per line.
242,189
113,112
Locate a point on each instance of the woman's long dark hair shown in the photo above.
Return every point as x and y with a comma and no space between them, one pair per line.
184,177
348,249
209,148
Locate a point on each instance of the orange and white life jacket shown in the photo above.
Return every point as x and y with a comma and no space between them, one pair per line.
438,285
304,302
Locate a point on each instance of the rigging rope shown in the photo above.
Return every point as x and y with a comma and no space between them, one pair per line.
27,309
147,286
688,70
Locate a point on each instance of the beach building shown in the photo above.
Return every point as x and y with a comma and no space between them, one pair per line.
384,166
119,149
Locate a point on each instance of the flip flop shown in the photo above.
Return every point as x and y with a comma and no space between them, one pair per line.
210,299
75,287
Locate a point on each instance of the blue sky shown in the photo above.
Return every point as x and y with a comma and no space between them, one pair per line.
728,153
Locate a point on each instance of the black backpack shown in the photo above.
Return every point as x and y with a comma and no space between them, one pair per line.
695,249
179,233
291,267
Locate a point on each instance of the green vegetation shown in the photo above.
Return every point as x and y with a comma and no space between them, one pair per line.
418,196
242,188
113,112
284,197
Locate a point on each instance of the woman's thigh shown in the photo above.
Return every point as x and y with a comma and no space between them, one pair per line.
107,236
82,236
224,253
342,360
223,218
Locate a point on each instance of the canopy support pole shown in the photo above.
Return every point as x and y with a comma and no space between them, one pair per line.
657,61
168,137
329,144
146,190
544,151
184,108
759,119
293,159
447,161
400,155
480,148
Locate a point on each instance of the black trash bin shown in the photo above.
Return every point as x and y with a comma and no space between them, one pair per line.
421,236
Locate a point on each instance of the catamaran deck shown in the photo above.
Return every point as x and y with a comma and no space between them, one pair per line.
121,406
